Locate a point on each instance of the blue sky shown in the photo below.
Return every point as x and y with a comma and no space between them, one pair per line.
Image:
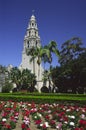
57,20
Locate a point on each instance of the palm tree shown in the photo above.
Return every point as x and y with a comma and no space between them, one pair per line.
52,46
43,54
22,78
40,53
31,52
27,79
3,72
15,76
37,54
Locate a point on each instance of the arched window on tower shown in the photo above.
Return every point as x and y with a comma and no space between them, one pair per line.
32,24
35,33
28,44
36,43
29,33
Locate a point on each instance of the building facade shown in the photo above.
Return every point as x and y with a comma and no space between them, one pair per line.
32,39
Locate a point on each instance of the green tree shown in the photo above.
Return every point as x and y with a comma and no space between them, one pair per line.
23,79
3,76
70,50
52,49
72,66
15,76
7,87
43,54
28,79
38,54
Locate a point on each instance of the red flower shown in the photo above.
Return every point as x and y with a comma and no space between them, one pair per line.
78,129
37,122
65,118
23,126
82,122
52,122
47,117
44,126
8,126
28,128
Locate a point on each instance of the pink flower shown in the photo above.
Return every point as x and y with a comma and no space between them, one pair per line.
59,126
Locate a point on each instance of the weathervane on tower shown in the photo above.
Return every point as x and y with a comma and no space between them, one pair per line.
33,12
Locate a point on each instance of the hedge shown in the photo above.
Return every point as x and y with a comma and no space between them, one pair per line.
44,98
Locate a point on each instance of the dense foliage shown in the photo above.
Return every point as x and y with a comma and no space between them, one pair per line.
70,75
7,87
23,79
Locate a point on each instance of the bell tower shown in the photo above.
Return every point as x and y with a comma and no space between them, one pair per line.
31,39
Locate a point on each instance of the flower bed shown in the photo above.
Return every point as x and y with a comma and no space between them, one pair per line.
44,116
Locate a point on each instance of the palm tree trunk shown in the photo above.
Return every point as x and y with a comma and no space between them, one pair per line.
34,66
38,71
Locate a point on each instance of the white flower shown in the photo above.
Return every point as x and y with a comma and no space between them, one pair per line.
35,117
59,126
29,104
35,109
39,115
41,125
47,125
72,117
65,122
77,109
11,105
69,116
49,111
55,104
68,110
23,106
82,116
71,123
4,119
16,117
83,110
27,122
5,105
24,121
63,108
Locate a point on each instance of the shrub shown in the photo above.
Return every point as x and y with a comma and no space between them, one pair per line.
7,87
44,89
